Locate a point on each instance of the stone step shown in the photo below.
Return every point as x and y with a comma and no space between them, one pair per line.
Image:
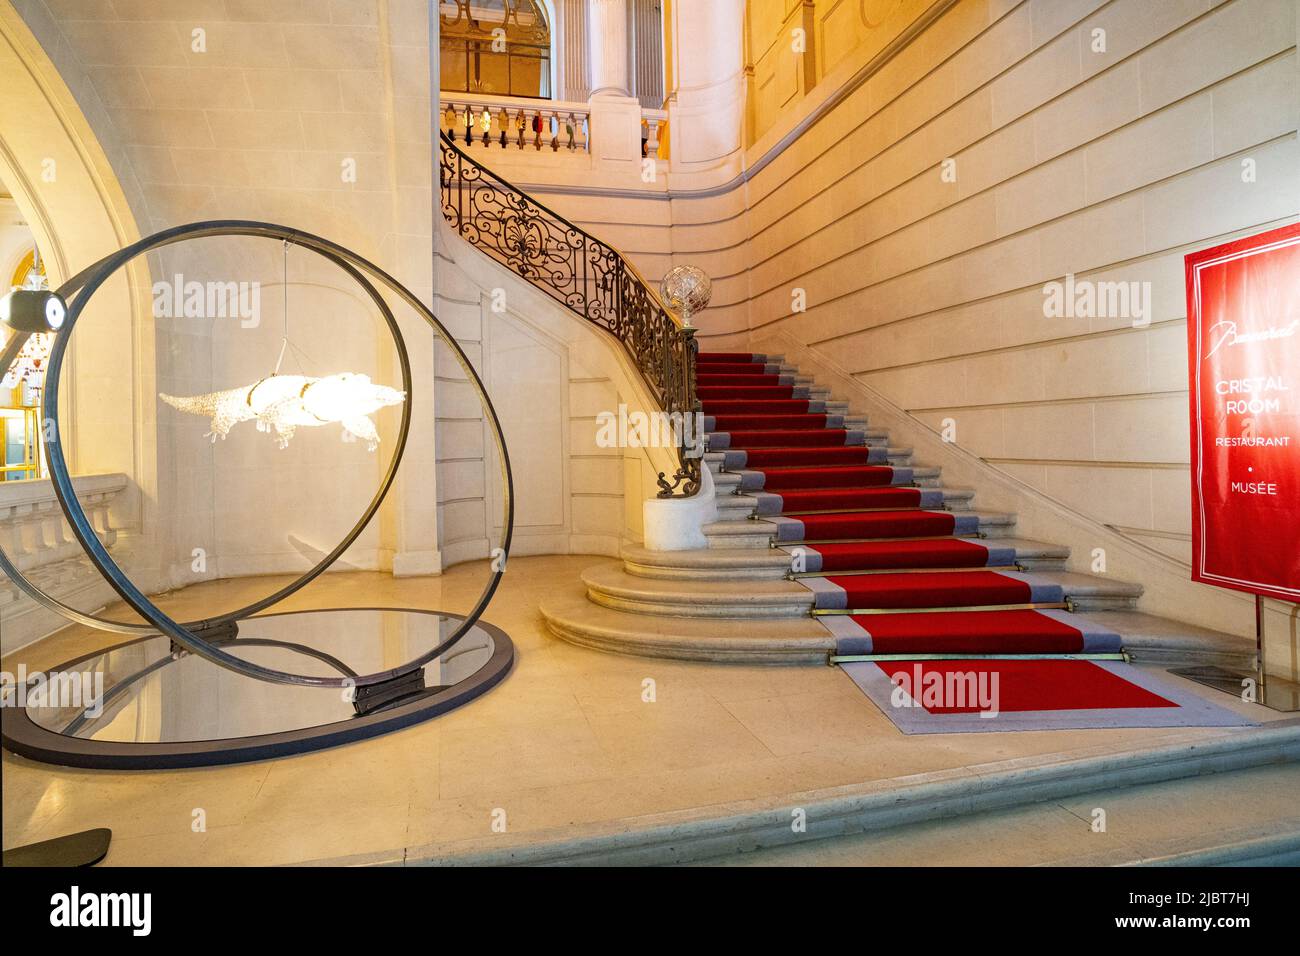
893,809
760,357
612,586
982,522
1159,640
926,476
1264,830
1092,592
609,585
754,356
742,533
735,459
1083,592
1027,555
797,391
733,507
662,615
761,533
573,617
816,438
1033,555
726,482
949,499
707,564
723,564
709,426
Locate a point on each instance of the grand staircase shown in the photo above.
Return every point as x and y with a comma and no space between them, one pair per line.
832,544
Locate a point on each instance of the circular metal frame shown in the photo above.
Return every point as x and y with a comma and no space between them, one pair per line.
83,286
25,737
121,627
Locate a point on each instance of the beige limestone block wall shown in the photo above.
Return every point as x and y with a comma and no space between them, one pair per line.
925,278
924,215
959,159
276,112
795,45
318,115
553,379
694,206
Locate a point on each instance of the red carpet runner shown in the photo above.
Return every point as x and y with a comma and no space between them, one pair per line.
1035,686
975,696
896,573
839,506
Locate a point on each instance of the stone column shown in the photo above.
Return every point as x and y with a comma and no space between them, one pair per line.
615,115
570,33
607,46
706,111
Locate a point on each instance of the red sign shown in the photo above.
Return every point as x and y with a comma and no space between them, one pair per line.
1243,334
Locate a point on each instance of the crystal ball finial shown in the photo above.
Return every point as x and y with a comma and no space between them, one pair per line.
686,289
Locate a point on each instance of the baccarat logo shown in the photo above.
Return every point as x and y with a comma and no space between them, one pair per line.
1226,333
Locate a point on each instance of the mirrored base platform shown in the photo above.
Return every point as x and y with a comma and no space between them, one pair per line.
141,705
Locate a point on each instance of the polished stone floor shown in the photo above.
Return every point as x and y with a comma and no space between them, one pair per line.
566,740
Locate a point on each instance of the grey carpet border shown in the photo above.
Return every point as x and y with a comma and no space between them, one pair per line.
1192,709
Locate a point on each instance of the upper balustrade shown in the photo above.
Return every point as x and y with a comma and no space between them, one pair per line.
508,122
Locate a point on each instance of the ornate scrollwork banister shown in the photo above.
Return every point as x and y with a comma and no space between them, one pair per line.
591,279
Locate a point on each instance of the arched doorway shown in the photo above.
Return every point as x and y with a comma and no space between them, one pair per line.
65,192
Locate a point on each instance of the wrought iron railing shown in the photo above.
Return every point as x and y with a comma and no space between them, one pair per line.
593,280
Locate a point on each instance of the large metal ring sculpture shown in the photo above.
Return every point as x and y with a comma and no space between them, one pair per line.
92,620
76,293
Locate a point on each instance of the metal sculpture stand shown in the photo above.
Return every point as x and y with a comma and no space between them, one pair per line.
76,849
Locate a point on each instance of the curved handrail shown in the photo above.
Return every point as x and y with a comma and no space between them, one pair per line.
592,279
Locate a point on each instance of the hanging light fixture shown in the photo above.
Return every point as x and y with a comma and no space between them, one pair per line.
281,404
26,309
